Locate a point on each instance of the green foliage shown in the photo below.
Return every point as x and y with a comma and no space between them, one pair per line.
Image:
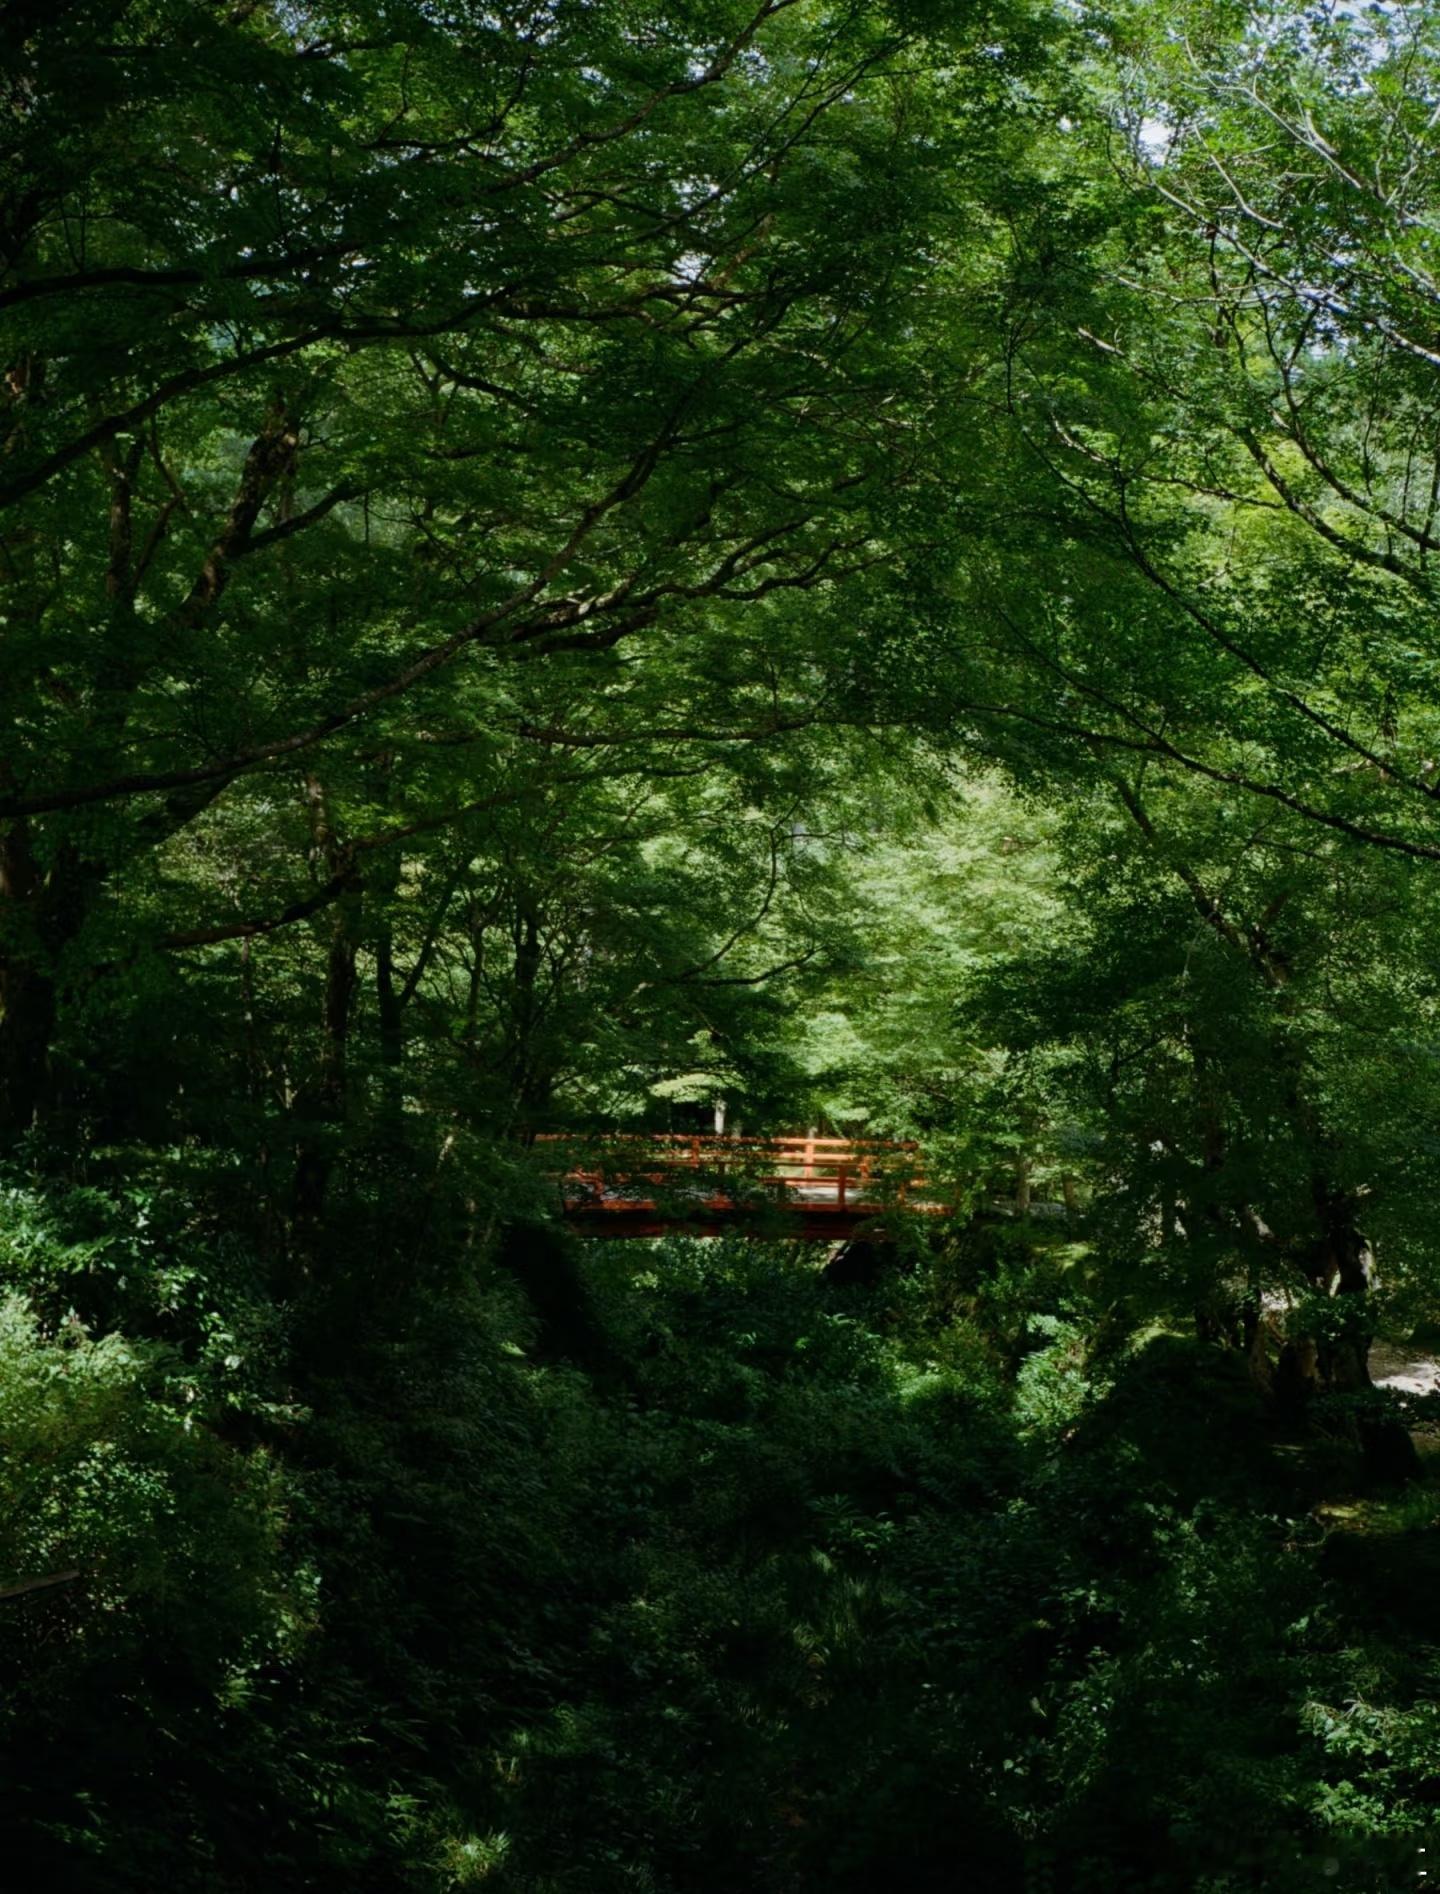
569,567
173,1592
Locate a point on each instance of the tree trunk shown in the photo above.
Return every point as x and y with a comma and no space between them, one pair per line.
1022,1187
27,988
39,916
1341,1263
388,1003
1345,1265
530,1080
322,1106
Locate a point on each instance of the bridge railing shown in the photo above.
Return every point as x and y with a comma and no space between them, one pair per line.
645,1172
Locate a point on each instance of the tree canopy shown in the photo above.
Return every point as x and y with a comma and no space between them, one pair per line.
577,574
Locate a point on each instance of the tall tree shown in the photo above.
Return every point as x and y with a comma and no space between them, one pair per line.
429,353
1226,424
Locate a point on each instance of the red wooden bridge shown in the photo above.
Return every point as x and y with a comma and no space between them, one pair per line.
818,1188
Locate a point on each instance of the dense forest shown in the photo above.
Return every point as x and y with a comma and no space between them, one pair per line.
575,573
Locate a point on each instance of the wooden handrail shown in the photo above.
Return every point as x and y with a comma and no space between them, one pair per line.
636,1174
710,1141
